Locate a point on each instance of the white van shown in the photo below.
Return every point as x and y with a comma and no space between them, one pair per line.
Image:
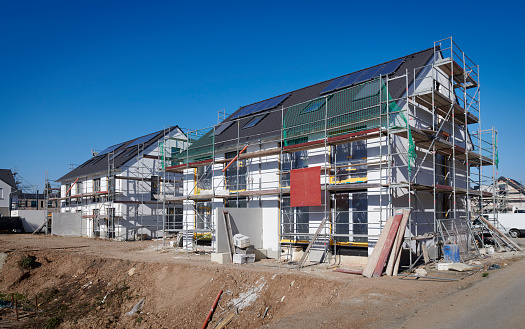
513,222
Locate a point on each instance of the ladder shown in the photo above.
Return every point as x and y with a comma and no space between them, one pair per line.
316,235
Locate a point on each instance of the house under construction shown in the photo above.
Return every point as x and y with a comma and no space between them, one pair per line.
117,193
334,160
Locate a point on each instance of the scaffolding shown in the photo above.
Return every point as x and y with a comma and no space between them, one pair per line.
128,200
379,150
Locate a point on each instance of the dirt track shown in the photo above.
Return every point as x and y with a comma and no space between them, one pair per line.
85,283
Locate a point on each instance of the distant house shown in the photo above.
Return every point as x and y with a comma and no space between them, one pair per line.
7,187
512,194
30,201
121,192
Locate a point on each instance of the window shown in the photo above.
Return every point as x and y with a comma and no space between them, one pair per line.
1,193
351,216
346,158
296,160
174,219
79,187
154,187
236,174
314,106
236,203
33,203
96,188
203,215
67,188
96,185
295,220
204,177
255,120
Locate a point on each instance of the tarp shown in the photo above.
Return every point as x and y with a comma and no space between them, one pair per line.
305,187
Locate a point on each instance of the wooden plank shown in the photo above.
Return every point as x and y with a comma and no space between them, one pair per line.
229,234
398,260
305,255
398,243
502,235
343,270
225,322
425,252
374,257
387,245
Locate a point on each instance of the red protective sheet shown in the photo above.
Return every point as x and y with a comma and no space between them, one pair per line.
305,187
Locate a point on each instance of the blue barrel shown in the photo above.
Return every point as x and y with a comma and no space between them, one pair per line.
451,252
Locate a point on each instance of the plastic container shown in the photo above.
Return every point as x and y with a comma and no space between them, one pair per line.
451,253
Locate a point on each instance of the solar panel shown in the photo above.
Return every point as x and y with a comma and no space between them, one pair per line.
350,79
360,76
111,148
369,74
333,84
391,67
261,106
255,120
143,139
223,127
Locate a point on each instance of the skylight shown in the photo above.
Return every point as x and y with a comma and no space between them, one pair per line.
313,106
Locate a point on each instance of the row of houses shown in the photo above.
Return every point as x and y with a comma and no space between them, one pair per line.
346,153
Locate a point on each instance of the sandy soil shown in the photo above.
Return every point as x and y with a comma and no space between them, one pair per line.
86,283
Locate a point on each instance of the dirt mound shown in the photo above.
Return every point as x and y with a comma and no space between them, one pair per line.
87,291
82,283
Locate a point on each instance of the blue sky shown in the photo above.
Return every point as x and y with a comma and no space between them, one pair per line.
82,75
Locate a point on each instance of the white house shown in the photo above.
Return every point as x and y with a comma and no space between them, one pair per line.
120,192
7,186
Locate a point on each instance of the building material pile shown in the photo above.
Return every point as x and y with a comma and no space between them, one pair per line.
388,247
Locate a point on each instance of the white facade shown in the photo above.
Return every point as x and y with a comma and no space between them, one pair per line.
126,203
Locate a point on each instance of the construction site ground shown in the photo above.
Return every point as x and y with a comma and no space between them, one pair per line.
91,283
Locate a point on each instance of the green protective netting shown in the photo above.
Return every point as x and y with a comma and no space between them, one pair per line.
201,147
354,109
161,151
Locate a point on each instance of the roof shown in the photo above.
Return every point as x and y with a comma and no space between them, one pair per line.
122,153
270,125
7,176
515,184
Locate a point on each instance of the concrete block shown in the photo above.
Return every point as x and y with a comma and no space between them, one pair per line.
442,266
353,260
260,254
241,241
297,254
244,251
243,259
221,257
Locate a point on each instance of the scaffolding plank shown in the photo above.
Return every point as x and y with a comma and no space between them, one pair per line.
398,244
374,257
386,247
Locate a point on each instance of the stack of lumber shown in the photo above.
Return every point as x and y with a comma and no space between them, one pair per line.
389,246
